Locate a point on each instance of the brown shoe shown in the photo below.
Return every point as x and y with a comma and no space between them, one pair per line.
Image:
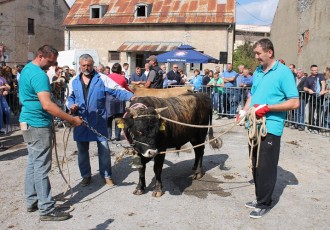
108,181
86,181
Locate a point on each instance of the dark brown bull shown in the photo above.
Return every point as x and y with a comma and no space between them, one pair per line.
145,131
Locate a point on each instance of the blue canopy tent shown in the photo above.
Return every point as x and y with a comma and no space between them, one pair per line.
186,54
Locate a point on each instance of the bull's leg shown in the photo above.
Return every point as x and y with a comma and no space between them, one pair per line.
140,188
199,152
158,167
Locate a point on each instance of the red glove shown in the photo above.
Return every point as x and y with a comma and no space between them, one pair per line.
261,110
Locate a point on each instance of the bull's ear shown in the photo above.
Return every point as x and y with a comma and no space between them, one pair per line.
120,123
159,110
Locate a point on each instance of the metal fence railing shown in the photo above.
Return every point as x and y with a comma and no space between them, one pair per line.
314,111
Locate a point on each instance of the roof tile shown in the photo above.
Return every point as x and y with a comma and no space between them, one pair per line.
121,12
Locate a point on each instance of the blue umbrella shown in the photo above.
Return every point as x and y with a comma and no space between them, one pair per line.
187,54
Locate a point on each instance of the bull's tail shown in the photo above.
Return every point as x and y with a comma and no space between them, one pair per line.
214,143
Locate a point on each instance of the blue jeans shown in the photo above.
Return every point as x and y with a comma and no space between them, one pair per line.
220,103
104,159
215,101
6,111
37,185
326,111
299,114
117,130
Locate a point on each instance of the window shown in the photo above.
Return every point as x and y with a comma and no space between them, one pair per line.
142,10
30,26
194,66
113,56
140,60
198,66
97,11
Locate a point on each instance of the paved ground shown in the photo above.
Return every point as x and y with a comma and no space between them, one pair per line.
214,202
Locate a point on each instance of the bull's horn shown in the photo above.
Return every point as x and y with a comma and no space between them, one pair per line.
132,112
159,110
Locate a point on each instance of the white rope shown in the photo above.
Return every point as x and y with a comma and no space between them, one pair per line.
256,131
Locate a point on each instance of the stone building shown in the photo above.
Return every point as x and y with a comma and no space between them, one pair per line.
301,33
25,25
131,30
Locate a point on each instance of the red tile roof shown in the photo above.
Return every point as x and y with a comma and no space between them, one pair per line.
148,46
121,12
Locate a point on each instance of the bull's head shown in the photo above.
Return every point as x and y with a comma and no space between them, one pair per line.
142,127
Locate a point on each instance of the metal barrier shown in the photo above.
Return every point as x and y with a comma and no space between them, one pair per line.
11,109
313,114
10,120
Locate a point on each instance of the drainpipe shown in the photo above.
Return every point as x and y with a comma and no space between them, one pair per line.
227,45
68,39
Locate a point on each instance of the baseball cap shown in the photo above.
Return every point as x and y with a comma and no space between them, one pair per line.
152,58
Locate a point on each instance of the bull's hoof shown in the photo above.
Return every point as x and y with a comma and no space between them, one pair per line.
138,192
197,176
157,193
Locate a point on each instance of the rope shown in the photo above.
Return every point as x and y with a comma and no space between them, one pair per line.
190,125
64,160
196,146
256,131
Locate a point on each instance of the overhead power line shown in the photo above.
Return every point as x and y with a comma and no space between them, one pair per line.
268,23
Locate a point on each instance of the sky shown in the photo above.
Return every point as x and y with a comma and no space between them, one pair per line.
254,12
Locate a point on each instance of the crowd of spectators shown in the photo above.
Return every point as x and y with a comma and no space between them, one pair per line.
229,90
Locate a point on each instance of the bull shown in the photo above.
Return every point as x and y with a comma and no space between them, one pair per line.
149,135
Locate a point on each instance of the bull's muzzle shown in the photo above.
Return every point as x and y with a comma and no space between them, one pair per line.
150,153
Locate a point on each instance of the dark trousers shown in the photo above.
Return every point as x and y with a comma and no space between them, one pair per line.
265,174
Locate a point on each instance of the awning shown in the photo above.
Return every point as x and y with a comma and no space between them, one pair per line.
148,46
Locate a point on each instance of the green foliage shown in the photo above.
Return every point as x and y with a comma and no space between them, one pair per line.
243,55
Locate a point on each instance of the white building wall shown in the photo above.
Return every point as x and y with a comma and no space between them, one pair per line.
210,39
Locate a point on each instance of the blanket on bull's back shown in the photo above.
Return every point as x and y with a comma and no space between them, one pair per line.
161,93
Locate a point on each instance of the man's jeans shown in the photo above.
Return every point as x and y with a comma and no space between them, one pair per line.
117,130
215,101
326,111
299,114
104,159
37,185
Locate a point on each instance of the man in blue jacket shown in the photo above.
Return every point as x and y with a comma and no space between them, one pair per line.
87,97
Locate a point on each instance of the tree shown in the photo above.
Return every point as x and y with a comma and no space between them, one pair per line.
243,55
